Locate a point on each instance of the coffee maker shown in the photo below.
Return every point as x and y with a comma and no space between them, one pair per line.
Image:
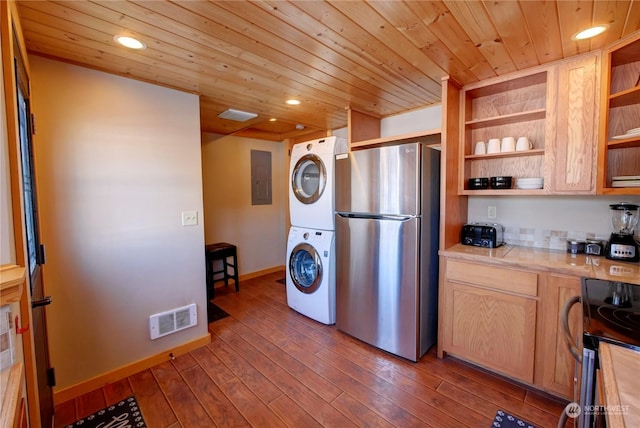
622,243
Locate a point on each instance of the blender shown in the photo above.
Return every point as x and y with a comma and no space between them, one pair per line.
622,244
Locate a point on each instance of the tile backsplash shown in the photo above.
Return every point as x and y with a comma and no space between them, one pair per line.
545,238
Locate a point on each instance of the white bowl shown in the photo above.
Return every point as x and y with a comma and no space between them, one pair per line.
530,183
529,186
532,180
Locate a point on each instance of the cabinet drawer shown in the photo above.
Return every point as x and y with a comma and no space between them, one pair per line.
497,278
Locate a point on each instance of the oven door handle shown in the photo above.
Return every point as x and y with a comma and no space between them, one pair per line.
567,331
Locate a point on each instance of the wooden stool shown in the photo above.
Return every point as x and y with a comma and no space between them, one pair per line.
221,251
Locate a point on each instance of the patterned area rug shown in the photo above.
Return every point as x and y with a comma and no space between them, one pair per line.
126,413
215,312
505,420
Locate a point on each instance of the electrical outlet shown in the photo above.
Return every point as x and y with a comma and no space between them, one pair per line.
190,218
492,212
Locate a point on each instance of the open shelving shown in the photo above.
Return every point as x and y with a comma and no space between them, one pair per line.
621,112
505,107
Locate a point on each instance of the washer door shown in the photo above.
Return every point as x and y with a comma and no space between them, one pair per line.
305,268
308,179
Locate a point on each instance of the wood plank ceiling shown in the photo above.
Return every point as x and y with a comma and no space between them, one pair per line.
379,57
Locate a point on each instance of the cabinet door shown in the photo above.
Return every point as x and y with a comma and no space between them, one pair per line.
555,364
573,133
493,329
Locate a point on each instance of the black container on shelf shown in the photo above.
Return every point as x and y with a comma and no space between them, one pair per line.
502,182
478,183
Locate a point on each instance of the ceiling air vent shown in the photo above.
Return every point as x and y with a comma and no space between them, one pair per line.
171,321
237,115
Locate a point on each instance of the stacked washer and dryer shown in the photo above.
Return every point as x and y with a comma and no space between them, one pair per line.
311,271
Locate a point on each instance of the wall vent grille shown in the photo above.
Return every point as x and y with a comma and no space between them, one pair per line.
168,322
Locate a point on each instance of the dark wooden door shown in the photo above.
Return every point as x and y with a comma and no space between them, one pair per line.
35,250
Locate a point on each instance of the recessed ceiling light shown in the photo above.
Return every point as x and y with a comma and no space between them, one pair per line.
590,32
130,42
273,119
293,102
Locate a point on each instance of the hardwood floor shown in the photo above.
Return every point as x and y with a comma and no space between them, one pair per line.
268,366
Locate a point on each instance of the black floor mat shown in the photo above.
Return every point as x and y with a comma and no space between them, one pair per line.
125,413
215,313
505,420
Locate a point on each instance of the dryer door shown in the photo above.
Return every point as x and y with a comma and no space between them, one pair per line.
308,179
305,268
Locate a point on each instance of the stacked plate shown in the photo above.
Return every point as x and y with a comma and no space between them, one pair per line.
635,132
530,183
626,181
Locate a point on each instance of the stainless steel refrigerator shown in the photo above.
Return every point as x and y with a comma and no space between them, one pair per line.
387,215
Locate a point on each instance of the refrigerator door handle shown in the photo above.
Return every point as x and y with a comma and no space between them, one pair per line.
377,216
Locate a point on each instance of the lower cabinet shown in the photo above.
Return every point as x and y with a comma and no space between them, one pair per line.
555,365
494,329
508,321
487,323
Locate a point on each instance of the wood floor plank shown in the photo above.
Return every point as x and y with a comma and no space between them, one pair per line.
359,413
184,404
212,365
65,414
269,366
291,413
243,340
407,370
427,413
246,371
217,405
117,391
484,405
184,362
311,380
294,359
462,371
153,404
432,397
545,403
253,410
90,403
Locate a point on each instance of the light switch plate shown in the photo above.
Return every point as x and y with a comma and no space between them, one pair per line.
190,218
492,212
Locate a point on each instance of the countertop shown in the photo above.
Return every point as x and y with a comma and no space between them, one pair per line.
620,368
548,261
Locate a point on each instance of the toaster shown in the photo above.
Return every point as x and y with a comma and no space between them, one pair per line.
488,235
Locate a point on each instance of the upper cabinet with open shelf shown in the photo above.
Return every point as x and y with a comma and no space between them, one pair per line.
514,107
619,144
555,106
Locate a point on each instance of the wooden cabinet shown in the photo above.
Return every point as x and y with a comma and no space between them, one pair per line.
572,134
508,320
619,150
514,106
490,317
555,366
555,107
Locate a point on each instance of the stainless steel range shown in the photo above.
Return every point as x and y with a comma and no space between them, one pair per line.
611,313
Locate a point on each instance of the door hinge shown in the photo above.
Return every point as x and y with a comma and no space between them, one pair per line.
33,124
41,255
51,377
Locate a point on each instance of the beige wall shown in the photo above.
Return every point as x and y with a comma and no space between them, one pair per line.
117,161
259,231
